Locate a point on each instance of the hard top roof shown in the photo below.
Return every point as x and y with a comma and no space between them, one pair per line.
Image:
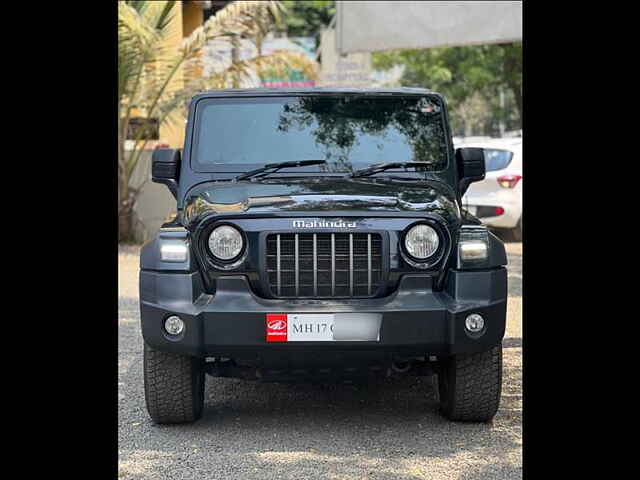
259,92
513,144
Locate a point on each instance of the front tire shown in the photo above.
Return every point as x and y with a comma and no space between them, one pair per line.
173,386
470,385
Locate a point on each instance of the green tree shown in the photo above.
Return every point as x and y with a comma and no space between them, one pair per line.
307,18
464,75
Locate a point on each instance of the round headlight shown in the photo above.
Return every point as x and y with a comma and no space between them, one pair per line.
225,242
421,241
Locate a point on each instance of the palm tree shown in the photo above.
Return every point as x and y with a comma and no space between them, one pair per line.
147,69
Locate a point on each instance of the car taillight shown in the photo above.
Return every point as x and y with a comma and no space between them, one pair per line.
499,211
509,181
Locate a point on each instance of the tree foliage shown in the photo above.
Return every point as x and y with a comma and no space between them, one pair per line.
466,76
307,18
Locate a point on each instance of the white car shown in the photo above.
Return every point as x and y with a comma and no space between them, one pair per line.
497,200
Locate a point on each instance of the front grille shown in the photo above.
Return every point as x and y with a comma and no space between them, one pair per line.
325,265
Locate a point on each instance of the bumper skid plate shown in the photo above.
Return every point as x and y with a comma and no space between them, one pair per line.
415,320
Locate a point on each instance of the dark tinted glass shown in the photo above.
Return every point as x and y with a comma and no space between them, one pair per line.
348,132
496,159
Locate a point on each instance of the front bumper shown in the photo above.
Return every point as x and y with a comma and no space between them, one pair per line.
232,322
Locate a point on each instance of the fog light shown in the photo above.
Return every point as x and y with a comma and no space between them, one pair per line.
174,325
474,323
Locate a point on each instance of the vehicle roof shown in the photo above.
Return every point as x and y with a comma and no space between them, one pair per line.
260,92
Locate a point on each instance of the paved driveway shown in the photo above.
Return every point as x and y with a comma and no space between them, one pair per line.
387,430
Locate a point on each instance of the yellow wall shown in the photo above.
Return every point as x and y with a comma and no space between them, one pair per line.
187,17
192,17
171,132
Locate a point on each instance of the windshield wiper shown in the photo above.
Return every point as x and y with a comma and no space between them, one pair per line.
381,167
277,166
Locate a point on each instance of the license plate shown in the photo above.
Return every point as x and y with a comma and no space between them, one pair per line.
323,327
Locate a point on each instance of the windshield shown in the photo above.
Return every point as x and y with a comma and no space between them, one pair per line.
350,132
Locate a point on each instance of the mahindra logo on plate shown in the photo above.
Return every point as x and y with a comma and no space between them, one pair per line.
277,325
323,224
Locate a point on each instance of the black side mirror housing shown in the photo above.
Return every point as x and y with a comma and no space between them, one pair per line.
471,168
165,168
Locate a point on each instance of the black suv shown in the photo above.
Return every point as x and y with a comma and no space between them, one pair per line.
319,235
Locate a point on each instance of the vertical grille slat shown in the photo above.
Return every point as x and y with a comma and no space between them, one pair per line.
324,265
315,265
351,264
368,264
278,263
297,269
333,264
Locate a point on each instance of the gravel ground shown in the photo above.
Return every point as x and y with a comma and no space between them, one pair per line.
387,430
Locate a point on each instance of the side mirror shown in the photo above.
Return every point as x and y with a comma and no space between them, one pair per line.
470,162
165,168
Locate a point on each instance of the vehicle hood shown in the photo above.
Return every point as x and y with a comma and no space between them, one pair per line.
320,196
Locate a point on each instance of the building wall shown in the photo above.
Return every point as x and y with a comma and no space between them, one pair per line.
187,17
155,203
192,17
352,70
172,132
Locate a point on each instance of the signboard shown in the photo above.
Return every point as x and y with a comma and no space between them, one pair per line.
417,24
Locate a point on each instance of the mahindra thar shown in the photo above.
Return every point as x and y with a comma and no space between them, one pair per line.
320,236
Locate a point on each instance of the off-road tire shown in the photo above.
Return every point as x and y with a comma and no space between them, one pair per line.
173,386
470,386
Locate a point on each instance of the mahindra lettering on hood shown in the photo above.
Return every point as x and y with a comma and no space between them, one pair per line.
319,234
323,224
